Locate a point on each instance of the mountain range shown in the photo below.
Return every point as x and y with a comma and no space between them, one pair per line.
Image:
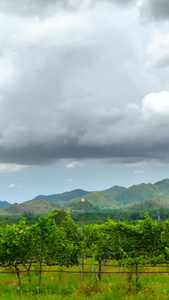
113,198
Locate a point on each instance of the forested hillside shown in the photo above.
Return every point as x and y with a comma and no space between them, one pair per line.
37,207
114,198
117,196
60,199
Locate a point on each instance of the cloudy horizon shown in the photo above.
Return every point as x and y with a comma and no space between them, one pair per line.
83,83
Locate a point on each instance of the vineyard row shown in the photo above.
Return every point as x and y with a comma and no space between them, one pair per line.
67,244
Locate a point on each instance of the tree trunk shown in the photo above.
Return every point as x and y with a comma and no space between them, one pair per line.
136,273
100,270
28,270
19,278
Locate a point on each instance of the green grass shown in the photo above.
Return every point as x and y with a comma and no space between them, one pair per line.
57,286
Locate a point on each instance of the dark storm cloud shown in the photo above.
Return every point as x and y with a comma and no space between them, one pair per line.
136,134
158,9
73,86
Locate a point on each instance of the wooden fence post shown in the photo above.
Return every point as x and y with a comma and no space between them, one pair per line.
40,264
92,273
82,255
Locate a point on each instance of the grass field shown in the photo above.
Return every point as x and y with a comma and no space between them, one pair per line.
70,286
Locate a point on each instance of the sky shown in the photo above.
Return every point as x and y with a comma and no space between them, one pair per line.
84,95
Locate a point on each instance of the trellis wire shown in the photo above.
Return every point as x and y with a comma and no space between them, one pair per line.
94,272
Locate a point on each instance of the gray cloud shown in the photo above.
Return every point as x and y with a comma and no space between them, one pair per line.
44,7
139,133
74,86
158,9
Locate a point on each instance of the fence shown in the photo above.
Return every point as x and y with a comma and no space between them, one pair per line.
87,269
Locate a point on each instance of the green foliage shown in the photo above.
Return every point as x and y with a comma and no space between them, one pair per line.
58,216
162,213
18,244
59,244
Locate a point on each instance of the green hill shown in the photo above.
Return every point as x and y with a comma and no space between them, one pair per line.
156,208
113,192
118,197
103,200
112,198
142,192
4,204
150,204
137,193
163,188
37,207
60,199
83,206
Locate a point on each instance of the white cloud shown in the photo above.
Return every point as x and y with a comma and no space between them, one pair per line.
155,108
59,30
138,164
6,168
11,185
6,64
69,180
74,164
138,171
158,50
